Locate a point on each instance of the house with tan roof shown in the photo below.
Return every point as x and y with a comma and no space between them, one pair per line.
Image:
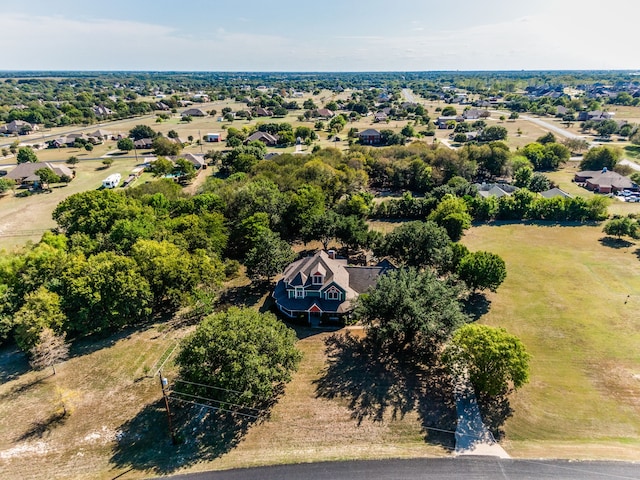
25,173
322,288
604,181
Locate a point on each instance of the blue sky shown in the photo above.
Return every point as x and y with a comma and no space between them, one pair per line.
331,35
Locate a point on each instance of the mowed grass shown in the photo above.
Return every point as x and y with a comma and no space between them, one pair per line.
118,426
25,218
574,303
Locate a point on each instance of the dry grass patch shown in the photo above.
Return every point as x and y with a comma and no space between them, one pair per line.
565,296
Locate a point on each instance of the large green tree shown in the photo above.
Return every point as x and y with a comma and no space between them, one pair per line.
95,211
142,131
47,176
482,270
620,227
172,273
41,309
104,292
26,155
411,309
268,257
452,214
601,157
125,144
496,361
246,356
418,244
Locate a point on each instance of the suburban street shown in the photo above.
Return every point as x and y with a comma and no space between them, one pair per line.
432,468
554,128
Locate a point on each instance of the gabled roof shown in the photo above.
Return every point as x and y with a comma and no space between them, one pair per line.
606,178
369,132
263,137
25,171
351,280
555,192
194,112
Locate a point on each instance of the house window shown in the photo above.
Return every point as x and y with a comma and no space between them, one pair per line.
299,292
333,294
317,279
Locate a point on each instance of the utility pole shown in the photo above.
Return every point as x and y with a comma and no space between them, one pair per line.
163,384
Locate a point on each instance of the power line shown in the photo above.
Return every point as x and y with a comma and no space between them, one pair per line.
219,409
208,386
219,401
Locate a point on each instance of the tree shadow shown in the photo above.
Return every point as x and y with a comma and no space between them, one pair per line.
23,387
613,242
248,295
477,305
636,252
495,412
381,386
203,435
13,363
40,428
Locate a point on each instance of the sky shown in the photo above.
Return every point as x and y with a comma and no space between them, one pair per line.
327,35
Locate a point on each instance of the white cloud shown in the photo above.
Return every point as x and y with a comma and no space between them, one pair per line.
62,43
568,35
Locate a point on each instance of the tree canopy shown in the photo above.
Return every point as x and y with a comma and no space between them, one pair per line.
26,155
246,356
496,361
482,270
412,310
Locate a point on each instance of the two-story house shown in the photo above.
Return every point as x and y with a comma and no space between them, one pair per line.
323,287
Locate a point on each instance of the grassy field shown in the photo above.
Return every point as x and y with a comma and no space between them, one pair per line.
25,218
573,301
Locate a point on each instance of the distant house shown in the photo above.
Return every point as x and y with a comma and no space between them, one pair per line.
448,121
370,137
196,160
143,144
495,189
264,137
212,137
323,287
555,192
162,106
263,112
102,135
25,173
380,117
604,181
18,127
475,114
324,113
194,112
561,110
101,111
595,115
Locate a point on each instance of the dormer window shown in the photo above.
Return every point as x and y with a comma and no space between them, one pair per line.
317,279
333,294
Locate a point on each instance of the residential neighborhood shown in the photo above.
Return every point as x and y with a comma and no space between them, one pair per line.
322,241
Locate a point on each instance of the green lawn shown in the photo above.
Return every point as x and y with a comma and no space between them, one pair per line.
573,301
25,218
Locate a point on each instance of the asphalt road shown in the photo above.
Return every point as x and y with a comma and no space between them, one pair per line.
467,468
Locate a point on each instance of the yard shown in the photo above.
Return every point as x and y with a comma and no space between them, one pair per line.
573,300
25,218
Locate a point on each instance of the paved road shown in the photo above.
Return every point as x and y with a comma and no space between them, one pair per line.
560,131
467,468
408,95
